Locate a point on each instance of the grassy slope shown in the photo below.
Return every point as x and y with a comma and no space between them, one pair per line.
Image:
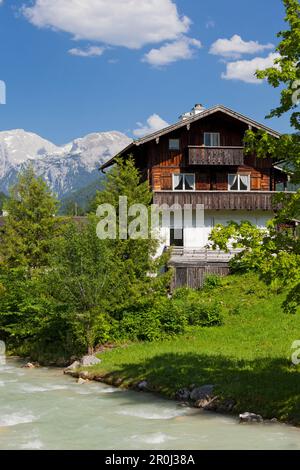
249,357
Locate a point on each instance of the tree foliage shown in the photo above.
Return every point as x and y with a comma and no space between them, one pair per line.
275,253
124,180
63,290
30,226
286,71
285,74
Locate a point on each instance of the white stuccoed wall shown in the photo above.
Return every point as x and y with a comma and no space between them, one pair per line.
197,237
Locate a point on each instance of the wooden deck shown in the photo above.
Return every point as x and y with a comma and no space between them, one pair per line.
203,255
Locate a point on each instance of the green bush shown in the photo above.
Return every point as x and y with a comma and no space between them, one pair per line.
105,329
140,326
151,321
200,313
197,310
162,317
212,281
172,318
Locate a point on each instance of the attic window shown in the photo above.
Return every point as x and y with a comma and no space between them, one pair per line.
212,139
174,144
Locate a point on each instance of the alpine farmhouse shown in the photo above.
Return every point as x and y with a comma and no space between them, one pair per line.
200,160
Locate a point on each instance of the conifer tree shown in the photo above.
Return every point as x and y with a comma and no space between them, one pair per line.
30,226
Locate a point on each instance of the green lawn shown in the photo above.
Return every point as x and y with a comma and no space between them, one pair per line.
248,358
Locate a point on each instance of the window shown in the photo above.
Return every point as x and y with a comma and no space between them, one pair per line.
211,139
176,237
174,144
239,182
184,182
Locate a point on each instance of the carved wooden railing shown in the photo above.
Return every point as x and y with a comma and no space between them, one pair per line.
231,156
219,200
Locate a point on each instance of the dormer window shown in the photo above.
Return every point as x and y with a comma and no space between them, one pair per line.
174,144
239,182
212,139
184,182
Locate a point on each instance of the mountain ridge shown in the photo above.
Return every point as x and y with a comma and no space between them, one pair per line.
66,168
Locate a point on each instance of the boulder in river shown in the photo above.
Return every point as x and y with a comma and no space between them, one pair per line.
87,361
183,394
81,381
84,374
206,392
143,386
250,418
73,366
31,365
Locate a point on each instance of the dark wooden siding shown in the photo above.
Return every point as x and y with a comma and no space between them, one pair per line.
193,276
218,200
158,163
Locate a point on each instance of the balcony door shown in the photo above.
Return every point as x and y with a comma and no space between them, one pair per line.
176,237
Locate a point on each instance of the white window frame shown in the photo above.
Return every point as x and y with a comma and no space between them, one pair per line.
183,174
173,147
238,175
212,134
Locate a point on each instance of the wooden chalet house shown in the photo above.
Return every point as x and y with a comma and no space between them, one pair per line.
200,160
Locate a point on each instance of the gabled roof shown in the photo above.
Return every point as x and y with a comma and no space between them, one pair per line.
183,123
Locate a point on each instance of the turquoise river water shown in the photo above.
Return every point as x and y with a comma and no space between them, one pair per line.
43,409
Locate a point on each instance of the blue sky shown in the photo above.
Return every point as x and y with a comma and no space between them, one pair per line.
72,67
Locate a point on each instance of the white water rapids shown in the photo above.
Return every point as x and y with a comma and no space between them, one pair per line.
43,409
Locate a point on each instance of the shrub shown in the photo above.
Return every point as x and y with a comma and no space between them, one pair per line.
141,326
172,318
149,322
197,310
212,281
200,313
106,329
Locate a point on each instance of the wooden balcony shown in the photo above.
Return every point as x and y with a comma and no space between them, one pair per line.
231,156
191,256
219,200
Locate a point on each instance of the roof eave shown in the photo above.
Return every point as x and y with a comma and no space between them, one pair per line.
112,160
191,120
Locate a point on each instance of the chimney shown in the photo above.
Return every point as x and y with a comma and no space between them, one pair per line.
197,109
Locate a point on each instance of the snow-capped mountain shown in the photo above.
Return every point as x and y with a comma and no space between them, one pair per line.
67,168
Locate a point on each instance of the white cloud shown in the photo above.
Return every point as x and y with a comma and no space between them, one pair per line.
92,51
181,49
244,70
128,23
154,123
235,47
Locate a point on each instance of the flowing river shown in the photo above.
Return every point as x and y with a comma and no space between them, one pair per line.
43,409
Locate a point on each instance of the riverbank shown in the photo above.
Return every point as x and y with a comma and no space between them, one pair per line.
43,409
247,359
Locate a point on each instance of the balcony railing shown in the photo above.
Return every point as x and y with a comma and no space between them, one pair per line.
231,156
194,255
219,200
